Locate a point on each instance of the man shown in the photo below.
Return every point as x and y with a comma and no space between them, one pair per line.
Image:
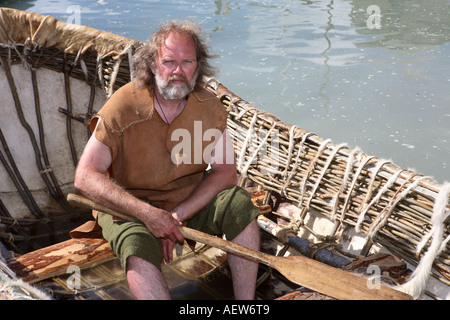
133,163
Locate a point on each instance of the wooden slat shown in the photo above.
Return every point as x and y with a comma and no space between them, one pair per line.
54,260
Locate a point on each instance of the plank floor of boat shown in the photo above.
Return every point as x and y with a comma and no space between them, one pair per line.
204,275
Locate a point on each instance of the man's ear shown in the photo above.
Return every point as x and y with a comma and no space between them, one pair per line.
153,66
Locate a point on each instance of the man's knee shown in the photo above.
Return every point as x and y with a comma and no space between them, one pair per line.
238,211
145,279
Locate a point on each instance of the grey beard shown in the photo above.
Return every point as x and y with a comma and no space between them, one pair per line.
170,91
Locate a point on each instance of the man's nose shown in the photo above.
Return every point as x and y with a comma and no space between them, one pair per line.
178,69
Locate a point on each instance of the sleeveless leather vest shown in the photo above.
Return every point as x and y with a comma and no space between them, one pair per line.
159,162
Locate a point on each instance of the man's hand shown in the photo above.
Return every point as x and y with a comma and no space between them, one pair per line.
167,248
164,226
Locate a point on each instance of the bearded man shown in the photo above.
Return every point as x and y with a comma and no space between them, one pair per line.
129,164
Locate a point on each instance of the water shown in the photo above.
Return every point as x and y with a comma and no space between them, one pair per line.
331,67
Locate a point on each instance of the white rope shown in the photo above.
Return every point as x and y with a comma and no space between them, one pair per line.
421,274
439,215
290,150
388,184
323,171
99,68
296,163
335,201
382,217
361,166
374,172
84,68
29,292
246,141
246,108
17,288
255,153
116,69
311,166
130,61
113,77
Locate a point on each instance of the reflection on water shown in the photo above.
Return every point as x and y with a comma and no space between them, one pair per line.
408,26
318,65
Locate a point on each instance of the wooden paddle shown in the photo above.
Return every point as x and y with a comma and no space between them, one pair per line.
303,271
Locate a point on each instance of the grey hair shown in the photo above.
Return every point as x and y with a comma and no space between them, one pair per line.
145,57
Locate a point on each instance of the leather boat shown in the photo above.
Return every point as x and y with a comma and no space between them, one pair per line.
328,202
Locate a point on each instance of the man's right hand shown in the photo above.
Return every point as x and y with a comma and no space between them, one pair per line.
162,225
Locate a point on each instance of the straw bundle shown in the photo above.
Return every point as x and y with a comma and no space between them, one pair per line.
394,207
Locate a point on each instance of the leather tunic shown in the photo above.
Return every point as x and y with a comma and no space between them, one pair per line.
159,162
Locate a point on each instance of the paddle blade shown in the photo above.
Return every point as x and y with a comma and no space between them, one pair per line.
333,282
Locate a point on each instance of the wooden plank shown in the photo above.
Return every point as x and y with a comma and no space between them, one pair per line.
54,260
258,198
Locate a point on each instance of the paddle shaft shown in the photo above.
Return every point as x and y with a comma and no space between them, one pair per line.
300,270
188,233
306,272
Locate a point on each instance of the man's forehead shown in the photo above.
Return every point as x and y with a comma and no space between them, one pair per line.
177,43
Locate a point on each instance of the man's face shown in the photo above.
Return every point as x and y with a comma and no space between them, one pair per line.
176,67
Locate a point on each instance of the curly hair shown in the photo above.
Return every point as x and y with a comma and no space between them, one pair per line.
146,55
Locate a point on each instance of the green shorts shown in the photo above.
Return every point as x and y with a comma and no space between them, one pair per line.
228,213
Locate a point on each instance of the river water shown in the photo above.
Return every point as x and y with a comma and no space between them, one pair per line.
373,74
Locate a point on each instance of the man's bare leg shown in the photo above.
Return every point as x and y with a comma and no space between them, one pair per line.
145,280
243,271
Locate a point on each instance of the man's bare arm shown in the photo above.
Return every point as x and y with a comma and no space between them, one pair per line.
221,176
91,179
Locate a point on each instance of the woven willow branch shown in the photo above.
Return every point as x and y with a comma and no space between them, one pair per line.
391,205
